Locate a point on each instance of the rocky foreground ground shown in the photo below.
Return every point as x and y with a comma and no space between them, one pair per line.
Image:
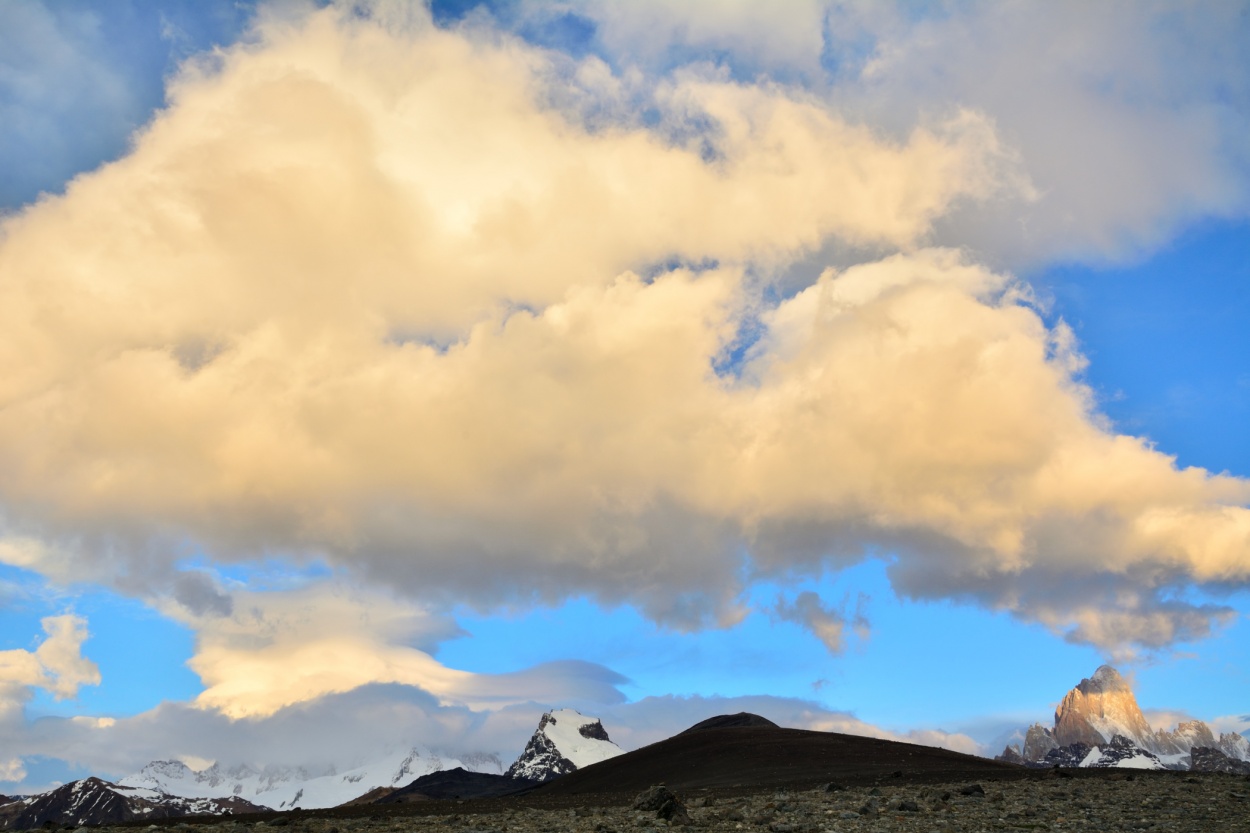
1112,802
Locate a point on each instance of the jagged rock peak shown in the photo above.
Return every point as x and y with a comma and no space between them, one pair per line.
1038,741
1098,709
565,741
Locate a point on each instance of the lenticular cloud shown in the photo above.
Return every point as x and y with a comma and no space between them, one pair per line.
384,294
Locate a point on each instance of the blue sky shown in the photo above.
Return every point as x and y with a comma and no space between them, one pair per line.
327,345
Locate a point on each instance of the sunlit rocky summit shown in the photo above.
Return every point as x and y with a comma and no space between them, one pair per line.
1099,724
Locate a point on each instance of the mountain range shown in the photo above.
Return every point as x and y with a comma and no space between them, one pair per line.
95,801
564,741
284,788
1099,724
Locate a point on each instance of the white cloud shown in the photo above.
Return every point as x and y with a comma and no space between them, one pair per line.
1130,116
1239,723
826,622
12,770
56,665
364,295
278,649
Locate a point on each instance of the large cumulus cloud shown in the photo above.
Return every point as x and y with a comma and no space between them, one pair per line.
384,295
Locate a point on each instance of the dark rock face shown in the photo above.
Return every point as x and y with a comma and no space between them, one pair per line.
594,731
95,801
1210,759
732,721
541,760
1122,749
1066,756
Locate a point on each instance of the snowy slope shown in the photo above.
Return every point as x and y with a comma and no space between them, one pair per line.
565,741
284,788
1121,753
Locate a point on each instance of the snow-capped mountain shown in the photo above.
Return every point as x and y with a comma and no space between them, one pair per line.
95,801
565,741
283,788
1099,723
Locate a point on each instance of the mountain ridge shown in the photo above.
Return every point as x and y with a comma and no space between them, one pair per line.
96,801
283,788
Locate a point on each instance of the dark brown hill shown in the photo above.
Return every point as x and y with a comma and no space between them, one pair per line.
761,756
456,783
741,720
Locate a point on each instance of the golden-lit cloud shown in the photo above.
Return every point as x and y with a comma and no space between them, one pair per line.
278,649
56,665
377,293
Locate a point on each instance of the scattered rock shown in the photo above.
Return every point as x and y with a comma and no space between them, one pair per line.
1156,802
653,798
665,803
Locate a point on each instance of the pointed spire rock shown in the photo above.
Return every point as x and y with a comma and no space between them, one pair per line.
1098,709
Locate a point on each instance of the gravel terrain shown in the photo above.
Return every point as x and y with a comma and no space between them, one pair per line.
1107,801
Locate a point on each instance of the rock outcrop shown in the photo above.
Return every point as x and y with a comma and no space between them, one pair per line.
1210,759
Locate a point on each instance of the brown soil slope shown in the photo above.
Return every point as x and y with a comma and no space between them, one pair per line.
753,757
